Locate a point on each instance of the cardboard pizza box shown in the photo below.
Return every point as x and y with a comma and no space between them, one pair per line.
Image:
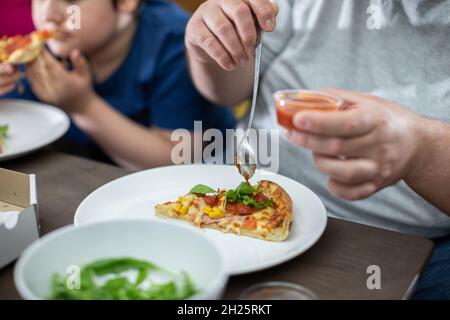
19,220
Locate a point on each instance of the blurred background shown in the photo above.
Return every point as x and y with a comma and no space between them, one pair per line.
189,5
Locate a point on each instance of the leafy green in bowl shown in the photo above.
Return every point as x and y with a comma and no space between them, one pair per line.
122,279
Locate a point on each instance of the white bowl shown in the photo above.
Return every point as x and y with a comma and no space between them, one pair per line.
170,246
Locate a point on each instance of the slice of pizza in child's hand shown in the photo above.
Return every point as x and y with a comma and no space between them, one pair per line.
23,49
263,211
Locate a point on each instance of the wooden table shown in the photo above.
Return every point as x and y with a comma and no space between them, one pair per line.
334,268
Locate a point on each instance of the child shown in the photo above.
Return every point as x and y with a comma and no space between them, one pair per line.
129,84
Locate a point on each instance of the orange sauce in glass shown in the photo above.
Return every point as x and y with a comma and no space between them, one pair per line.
289,102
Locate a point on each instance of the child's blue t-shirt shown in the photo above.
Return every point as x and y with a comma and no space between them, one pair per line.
153,85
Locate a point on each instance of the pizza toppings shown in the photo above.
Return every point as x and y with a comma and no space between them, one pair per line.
17,42
211,201
240,209
263,211
260,197
250,223
246,199
201,189
214,213
46,34
180,209
182,205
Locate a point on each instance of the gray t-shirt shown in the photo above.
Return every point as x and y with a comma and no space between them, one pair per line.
337,43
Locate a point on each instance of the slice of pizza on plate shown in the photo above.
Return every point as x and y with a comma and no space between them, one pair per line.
263,211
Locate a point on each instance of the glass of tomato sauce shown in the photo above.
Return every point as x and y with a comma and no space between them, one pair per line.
289,102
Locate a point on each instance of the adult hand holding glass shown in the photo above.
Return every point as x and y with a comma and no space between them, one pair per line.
371,144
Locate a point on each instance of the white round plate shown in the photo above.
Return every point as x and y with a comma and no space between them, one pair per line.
32,125
137,194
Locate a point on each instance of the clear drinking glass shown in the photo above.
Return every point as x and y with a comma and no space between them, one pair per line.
289,102
277,290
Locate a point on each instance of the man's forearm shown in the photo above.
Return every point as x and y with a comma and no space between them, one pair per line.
127,143
221,86
430,176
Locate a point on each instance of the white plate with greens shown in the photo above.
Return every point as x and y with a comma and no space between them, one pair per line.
31,126
137,194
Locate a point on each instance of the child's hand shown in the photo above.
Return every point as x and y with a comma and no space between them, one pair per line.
9,75
225,31
52,83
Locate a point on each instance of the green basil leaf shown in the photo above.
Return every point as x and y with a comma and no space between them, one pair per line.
105,266
244,188
118,286
231,196
248,201
200,188
261,205
187,289
264,204
143,273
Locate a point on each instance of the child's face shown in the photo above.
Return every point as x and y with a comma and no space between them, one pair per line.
99,22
